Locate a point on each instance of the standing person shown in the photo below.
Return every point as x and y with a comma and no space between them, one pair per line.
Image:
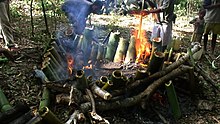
212,22
78,11
198,26
6,34
165,17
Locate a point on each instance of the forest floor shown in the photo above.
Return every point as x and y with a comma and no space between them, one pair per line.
19,84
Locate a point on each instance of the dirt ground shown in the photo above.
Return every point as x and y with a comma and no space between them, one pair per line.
20,85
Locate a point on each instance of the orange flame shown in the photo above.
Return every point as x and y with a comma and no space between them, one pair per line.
70,62
142,45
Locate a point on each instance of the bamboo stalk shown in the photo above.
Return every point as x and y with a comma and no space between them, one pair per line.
23,119
45,100
131,52
121,50
172,97
4,103
112,46
49,116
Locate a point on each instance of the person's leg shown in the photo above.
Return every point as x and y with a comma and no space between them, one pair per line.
6,26
205,40
214,38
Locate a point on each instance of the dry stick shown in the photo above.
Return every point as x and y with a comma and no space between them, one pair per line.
32,20
45,17
146,94
160,73
206,76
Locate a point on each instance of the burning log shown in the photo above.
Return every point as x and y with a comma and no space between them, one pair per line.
131,52
49,116
121,50
13,113
23,119
101,93
112,46
156,62
45,100
171,93
4,103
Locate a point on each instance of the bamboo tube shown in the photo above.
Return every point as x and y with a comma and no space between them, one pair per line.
23,119
81,81
121,50
45,100
101,52
101,93
157,43
79,45
49,116
141,74
55,54
4,103
112,46
131,52
13,113
94,52
57,64
3,60
49,70
171,93
117,79
35,120
156,62
104,80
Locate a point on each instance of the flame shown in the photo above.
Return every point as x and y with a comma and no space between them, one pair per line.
90,66
142,45
70,62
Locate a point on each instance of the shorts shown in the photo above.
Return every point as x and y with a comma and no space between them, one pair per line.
212,27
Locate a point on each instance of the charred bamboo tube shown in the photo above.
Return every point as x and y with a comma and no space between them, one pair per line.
131,52
171,93
23,119
121,50
112,46
104,80
35,120
45,100
157,43
55,54
4,103
156,62
141,74
81,81
101,93
117,79
13,113
49,116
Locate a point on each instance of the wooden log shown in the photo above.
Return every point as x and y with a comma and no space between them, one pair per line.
131,52
172,98
62,88
112,46
121,50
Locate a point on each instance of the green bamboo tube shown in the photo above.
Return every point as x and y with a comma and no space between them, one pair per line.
48,116
100,92
121,50
141,74
87,41
156,62
112,46
57,64
131,52
81,81
3,59
94,52
4,103
55,54
49,71
118,79
45,100
101,52
104,80
171,93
